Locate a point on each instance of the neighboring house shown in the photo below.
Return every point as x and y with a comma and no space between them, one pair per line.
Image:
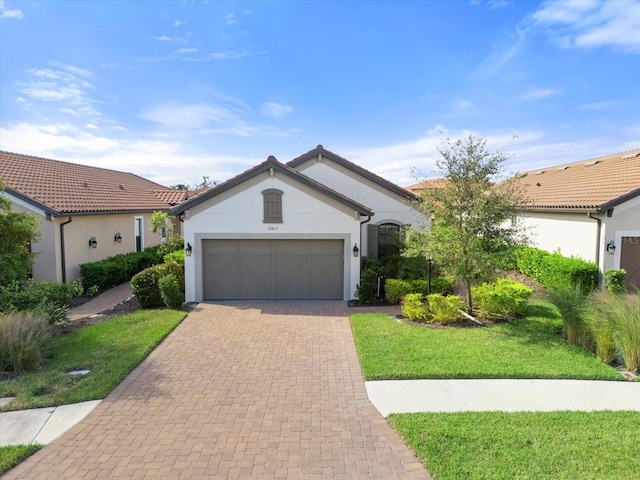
78,204
589,209
290,231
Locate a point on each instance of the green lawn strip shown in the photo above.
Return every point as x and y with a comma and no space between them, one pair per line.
527,348
13,455
110,350
524,445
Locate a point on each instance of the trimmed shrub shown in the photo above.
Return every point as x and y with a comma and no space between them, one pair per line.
368,288
51,299
118,269
145,284
615,280
170,291
396,289
571,301
555,271
176,256
502,299
445,309
413,307
25,340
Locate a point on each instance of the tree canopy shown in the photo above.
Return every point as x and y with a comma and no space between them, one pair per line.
17,229
472,212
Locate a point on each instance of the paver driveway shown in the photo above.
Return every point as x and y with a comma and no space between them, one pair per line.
238,390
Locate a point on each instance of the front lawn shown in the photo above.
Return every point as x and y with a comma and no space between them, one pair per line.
524,445
110,350
12,455
527,348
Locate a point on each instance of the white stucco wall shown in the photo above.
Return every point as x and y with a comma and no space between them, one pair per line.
387,206
238,213
624,222
570,234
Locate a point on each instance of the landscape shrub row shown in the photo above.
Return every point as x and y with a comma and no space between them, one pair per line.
555,271
395,289
50,299
434,308
501,299
118,269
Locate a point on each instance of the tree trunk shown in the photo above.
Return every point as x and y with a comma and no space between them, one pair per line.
469,299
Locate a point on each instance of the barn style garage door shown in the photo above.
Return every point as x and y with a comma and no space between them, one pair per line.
630,261
273,269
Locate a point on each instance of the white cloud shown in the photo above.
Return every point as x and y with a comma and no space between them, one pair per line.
594,23
178,23
502,53
10,13
184,116
538,94
465,104
597,106
162,38
276,110
62,85
186,50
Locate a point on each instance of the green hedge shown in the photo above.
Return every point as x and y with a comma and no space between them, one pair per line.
145,284
555,271
502,299
396,289
119,269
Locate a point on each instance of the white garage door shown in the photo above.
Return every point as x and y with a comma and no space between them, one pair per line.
273,269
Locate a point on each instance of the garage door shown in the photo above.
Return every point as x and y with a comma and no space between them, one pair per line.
273,269
630,261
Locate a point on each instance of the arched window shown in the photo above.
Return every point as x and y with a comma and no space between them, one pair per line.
272,199
388,240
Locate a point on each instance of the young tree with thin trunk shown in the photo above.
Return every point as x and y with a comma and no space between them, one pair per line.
472,212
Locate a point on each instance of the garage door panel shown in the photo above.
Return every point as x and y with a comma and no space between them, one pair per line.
273,269
630,261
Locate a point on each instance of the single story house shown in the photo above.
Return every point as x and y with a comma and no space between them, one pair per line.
87,213
588,209
290,231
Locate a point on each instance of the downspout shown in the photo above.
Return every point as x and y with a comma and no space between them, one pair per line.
63,259
361,224
598,232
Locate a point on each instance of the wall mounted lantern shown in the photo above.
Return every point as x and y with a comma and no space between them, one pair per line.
93,243
611,247
188,249
356,250
118,238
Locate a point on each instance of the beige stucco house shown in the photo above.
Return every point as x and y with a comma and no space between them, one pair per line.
290,231
589,209
86,213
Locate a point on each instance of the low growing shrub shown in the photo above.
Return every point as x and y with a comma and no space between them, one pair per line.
396,289
176,256
445,309
145,284
367,290
25,340
502,299
413,307
615,280
170,291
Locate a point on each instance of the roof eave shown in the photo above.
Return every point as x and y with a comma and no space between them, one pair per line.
25,198
621,199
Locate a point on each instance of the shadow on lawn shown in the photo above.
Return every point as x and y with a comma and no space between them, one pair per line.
539,326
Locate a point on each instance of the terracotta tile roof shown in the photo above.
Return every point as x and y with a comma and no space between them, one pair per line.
171,197
416,188
596,184
65,188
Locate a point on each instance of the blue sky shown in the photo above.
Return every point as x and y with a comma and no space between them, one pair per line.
176,90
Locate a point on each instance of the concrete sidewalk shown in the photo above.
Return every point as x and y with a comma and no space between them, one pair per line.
42,425
408,396
101,303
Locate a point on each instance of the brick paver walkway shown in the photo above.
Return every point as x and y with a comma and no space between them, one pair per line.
241,390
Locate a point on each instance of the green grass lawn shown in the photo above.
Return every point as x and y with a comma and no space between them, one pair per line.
110,350
527,348
13,455
496,445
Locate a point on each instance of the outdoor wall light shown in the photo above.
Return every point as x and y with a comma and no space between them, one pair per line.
93,243
356,250
611,247
118,238
188,249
